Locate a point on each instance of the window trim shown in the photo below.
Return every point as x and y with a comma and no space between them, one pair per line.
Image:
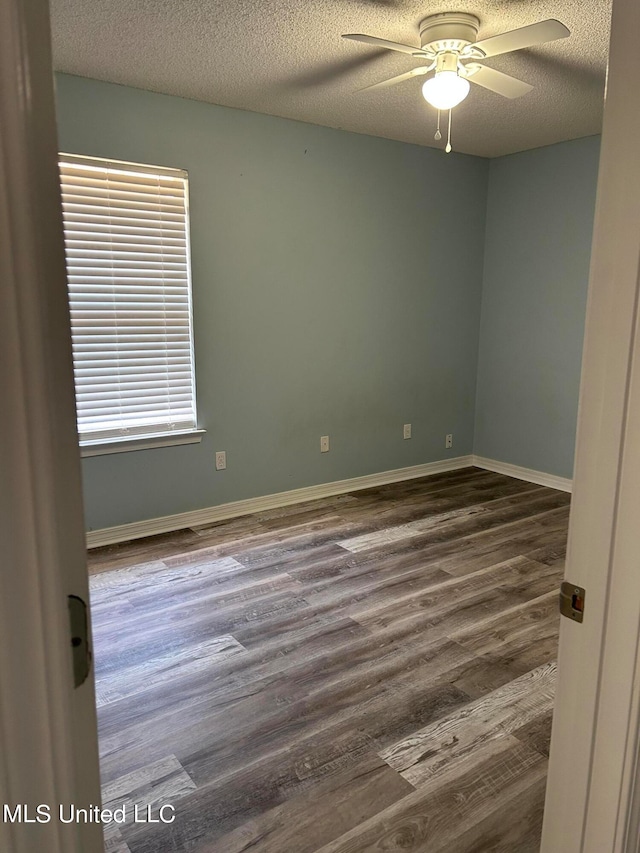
141,442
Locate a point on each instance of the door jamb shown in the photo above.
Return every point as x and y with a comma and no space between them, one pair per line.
594,740
48,734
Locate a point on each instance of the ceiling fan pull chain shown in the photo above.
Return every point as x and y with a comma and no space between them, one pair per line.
438,135
448,145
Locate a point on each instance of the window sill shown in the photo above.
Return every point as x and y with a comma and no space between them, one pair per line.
140,442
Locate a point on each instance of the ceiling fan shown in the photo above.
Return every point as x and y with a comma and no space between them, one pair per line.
448,43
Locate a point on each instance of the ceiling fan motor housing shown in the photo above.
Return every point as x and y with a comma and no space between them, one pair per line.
448,31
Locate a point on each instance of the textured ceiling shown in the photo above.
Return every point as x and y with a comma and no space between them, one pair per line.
286,58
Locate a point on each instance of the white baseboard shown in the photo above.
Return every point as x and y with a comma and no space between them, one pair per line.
520,473
208,515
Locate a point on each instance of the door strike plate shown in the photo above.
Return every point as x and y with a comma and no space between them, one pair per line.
572,601
80,648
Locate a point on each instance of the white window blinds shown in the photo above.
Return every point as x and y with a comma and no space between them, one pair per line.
127,247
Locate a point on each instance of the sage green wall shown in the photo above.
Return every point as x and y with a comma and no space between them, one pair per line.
536,270
336,289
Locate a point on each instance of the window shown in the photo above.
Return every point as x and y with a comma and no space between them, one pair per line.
126,229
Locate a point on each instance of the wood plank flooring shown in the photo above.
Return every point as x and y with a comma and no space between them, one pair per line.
370,672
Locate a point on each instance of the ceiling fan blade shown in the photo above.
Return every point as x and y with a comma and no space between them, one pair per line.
390,45
496,81
415,72
529,36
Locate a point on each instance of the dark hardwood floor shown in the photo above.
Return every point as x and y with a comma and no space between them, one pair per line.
370,672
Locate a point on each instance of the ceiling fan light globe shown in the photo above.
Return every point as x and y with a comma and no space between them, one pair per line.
445,90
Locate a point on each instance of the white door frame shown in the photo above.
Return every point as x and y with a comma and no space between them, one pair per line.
590,793
48,736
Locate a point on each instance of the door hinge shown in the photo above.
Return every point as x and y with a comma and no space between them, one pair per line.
80,646
572,601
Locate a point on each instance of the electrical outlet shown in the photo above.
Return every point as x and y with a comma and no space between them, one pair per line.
324,444
221,460
448,440
407,431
